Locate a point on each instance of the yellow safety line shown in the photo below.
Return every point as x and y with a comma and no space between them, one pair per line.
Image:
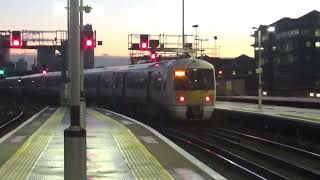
139,160
308,118
20,165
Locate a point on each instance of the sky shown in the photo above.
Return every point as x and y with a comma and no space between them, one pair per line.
230,20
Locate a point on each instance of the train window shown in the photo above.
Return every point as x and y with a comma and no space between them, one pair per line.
157,81
136,80
195,79
164,82
106,83
118,81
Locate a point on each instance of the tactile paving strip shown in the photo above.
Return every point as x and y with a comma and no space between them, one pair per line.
141,162
22,162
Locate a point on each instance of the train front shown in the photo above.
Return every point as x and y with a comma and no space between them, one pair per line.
193,87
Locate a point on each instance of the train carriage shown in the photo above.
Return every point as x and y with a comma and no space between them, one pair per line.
184,88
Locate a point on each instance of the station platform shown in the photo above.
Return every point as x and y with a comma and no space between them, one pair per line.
118,147
273,98
299,114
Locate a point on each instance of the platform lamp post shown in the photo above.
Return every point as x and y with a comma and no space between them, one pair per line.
259,69
75,136
183,24
195,38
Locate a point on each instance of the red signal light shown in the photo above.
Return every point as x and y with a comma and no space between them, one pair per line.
207,98
181,99
144,45
153,56
144,41
88,43
88,40
220,72
16,41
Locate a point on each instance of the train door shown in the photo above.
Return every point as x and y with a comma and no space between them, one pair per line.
149,84
123,90
98,85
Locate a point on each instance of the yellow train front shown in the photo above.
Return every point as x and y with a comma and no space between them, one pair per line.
193,90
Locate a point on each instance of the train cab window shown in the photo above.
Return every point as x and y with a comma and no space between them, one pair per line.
194,79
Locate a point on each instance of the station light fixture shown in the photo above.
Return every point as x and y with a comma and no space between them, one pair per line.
16,40
220,72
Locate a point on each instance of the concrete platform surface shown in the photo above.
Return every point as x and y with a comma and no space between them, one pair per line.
118,147
300,114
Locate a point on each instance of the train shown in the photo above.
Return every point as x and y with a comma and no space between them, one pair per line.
185,89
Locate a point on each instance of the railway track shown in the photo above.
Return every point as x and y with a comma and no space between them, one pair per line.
305,156
4,126
240,151
242,166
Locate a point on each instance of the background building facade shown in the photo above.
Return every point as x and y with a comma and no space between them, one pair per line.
291,54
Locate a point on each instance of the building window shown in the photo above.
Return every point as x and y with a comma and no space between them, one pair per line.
308,44
317,44
317,32
290,59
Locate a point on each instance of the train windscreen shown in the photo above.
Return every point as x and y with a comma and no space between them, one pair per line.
194,79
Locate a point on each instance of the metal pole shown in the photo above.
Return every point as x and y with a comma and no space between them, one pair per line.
69,44
75,136
201,48
75,56
259,66
196,39
82,99
182,23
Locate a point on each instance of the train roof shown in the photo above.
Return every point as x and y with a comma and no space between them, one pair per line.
161,64
181,63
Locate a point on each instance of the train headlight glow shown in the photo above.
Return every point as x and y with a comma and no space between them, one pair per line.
181,99
318,95
207,98
311,94
180,73
265,93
